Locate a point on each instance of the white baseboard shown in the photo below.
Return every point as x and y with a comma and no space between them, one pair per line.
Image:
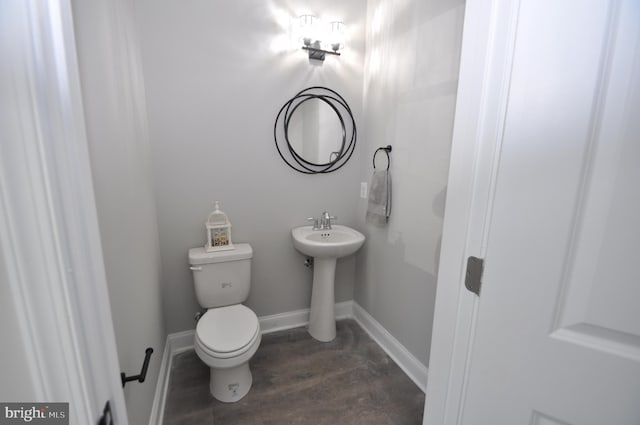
157,408
180,342
298,318
176,343
183,341
398,352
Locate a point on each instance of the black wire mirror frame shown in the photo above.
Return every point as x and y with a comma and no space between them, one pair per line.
337,103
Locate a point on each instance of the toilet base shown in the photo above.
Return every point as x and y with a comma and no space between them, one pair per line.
231,384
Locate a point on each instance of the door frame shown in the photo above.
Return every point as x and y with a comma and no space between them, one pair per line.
489,34
60,216
50,247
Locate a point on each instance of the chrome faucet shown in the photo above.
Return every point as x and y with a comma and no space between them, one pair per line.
323,222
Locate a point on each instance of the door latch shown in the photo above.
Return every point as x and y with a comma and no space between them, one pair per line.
473,278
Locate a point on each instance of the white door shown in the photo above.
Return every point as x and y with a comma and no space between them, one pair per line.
50,246
558,327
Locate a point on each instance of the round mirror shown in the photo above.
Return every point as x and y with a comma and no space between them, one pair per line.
315,131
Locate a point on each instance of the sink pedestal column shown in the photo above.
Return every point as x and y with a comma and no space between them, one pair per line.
322,320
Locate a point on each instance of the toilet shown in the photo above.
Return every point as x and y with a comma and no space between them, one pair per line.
228,334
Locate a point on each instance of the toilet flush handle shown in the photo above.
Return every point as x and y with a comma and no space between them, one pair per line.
196,268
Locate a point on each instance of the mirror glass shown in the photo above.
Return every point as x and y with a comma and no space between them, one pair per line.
315,132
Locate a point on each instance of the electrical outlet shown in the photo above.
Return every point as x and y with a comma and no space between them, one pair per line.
364,192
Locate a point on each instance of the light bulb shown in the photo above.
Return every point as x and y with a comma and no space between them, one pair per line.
308,29
336,35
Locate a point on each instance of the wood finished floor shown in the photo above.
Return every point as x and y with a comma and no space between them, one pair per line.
298,380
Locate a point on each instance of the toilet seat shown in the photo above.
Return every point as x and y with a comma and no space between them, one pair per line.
227,332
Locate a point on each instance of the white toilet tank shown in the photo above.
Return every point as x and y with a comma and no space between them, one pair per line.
221,278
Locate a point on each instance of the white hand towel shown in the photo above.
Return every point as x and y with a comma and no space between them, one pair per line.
379,206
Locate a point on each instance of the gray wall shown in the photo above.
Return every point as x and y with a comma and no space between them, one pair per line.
113,98
215,80
410,84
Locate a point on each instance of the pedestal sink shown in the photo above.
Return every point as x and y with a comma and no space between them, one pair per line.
325,246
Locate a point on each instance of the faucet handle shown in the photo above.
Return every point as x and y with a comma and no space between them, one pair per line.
315,223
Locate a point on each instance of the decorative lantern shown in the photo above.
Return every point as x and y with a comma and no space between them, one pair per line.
218,231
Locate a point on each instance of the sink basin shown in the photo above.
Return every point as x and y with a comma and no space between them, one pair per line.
325,246
340,241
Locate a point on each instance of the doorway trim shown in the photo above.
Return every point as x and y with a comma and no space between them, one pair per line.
489,35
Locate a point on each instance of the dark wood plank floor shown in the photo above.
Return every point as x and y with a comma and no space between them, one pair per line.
298,380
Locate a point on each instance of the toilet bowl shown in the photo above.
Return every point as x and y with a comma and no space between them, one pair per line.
226,339
228,334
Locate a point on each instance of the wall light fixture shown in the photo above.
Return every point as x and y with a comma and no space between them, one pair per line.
319,39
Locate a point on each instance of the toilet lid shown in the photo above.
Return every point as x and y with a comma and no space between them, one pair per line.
227,329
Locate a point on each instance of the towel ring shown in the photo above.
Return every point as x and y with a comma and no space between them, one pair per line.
386,150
